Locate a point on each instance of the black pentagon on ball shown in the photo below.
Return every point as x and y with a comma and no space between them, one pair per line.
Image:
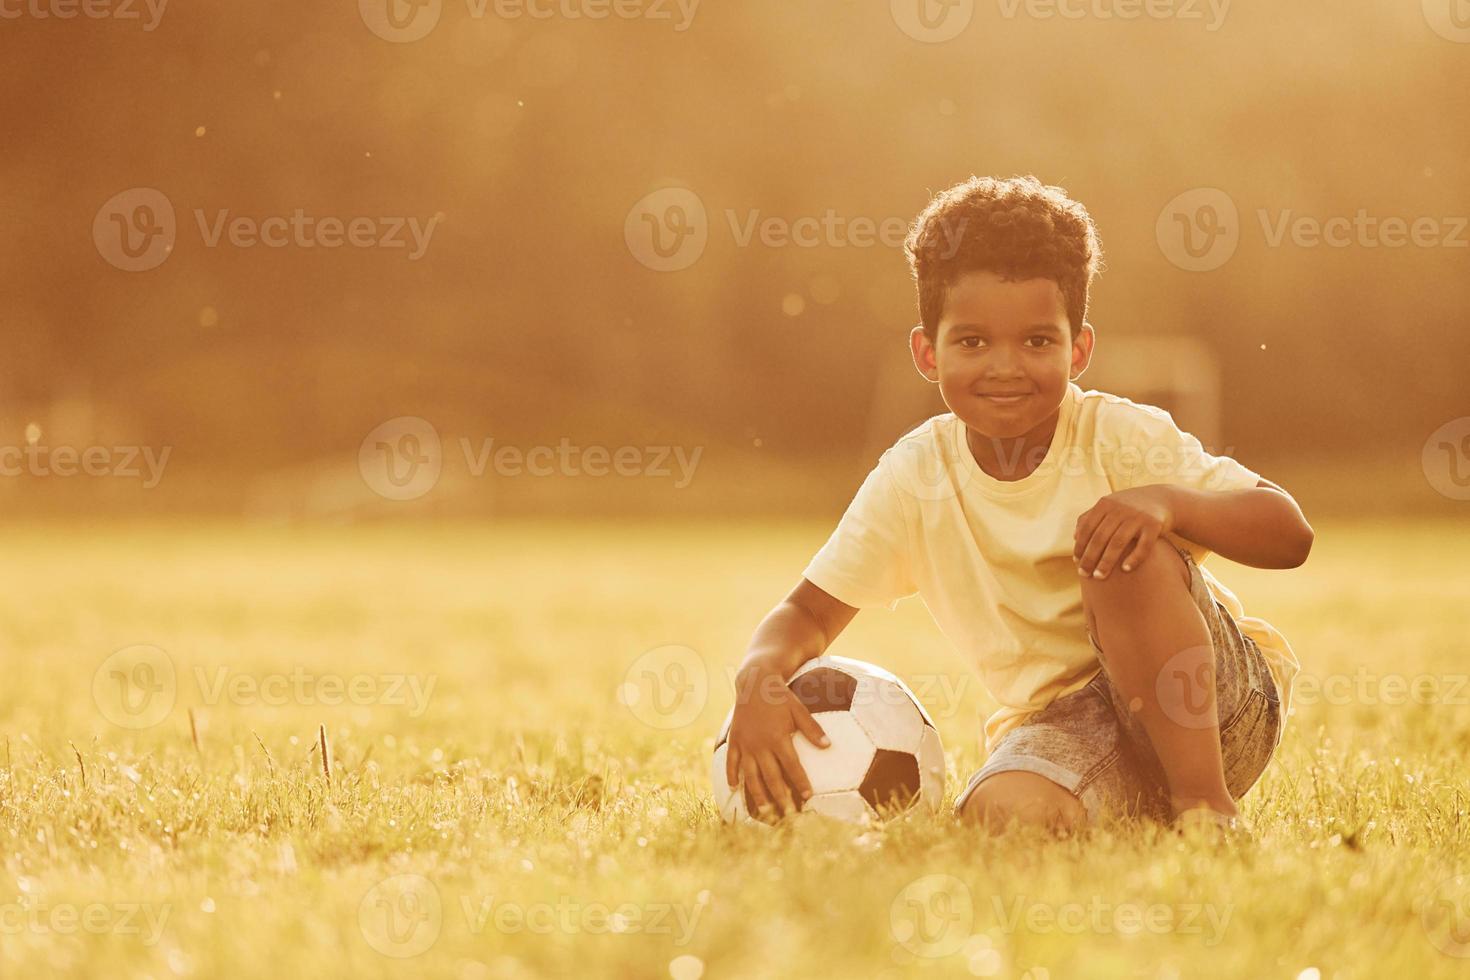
892,780
825,689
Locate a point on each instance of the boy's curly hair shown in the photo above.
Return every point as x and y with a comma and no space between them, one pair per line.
1017,227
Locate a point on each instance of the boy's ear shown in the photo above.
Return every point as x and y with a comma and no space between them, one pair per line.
923,352
1082,351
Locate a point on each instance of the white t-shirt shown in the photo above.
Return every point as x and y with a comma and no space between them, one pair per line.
992,559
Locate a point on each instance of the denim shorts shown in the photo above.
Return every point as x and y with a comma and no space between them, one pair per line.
1090,743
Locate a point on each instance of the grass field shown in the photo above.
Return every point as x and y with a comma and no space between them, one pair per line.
510,796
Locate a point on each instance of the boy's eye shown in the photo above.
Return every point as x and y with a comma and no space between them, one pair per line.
974,342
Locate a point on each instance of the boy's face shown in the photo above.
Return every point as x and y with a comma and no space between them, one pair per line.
998,338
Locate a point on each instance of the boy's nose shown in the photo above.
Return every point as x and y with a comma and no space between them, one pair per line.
1003,367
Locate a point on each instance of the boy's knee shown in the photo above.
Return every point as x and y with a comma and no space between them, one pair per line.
1024,798
1162,569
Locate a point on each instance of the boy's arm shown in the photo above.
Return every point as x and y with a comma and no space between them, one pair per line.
1260,526
800,628
767,714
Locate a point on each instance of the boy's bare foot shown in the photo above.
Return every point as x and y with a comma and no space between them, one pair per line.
1223,804
1211,824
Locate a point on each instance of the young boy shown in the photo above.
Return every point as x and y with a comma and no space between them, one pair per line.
1055,535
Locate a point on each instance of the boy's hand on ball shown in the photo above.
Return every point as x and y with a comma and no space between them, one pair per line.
767,716
1122,526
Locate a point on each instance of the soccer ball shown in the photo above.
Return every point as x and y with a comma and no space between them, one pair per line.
885,757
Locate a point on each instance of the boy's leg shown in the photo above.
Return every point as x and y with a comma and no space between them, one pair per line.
1022,797
1150,633
1068,765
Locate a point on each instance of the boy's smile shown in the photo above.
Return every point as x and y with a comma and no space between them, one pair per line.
1002,357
